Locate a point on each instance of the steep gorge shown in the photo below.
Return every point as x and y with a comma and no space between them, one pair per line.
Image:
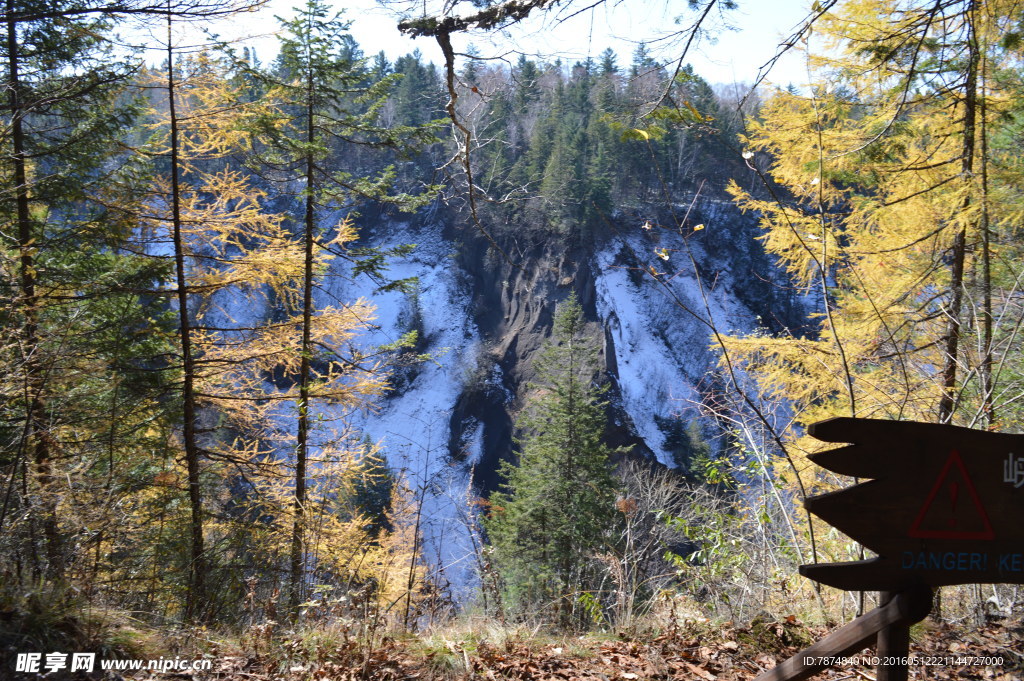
483,319
654,337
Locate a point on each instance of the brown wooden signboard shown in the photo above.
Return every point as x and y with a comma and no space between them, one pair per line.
943,505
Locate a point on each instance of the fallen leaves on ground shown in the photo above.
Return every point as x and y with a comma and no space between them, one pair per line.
991,652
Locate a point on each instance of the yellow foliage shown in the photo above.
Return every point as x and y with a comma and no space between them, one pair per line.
239,256
874,195
395,560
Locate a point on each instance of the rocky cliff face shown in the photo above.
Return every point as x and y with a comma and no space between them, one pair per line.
483,319
655,334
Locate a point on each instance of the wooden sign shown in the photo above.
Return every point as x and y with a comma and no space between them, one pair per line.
944,505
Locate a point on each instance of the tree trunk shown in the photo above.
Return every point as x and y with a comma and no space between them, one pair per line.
305,371
987,387
196,598
947,403
35,442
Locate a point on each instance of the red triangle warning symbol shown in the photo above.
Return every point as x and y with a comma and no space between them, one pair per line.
952,509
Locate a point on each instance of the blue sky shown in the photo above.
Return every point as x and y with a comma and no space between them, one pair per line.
731,56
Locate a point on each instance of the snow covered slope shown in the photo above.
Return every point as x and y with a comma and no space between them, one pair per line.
412,423
661,330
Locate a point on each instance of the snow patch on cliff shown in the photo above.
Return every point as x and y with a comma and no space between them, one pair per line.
662,330
412,425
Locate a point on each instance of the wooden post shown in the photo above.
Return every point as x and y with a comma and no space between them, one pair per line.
893,647
898,612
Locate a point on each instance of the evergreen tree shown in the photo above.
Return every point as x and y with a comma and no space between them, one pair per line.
608,65
556,508
417,96
380,66
471,71
527,91
69,296
642,62
372,488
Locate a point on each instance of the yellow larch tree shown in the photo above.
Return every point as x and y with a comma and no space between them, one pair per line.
235,263
257,344
210,220
881,178
322,101
395,560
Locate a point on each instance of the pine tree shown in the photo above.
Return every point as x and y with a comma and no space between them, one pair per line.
608,66
557,505
70,293
417,96
371,491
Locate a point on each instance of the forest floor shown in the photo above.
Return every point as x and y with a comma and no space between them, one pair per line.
705,652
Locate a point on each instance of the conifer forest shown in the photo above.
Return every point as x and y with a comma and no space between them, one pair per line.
322,364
